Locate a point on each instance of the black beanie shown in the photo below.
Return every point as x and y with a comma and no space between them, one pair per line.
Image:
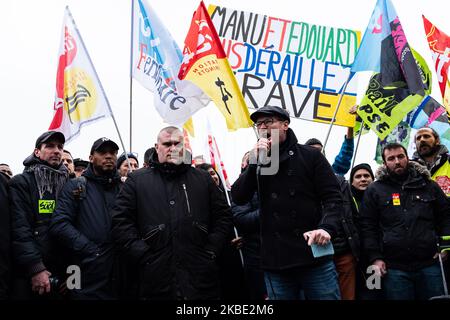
122,158
364,166
313,141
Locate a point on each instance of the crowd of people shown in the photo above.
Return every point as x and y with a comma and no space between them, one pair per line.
291,227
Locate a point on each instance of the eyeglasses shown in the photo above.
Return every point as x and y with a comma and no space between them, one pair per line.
266,122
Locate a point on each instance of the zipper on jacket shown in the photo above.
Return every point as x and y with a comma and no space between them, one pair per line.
187,198
200,226
153,232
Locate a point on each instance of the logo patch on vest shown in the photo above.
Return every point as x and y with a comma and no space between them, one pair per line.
46,206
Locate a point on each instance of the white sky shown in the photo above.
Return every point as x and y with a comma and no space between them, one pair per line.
30,34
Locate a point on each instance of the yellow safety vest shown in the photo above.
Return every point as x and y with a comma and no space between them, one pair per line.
442,177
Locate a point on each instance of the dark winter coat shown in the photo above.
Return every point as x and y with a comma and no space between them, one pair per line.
302,196
172,221
33,249
246,220
400,221
5,239
347,238
82,224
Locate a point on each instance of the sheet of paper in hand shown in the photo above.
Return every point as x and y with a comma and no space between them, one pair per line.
320,251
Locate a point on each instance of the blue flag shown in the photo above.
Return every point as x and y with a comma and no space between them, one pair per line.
401,78
156,60
369,52
385,49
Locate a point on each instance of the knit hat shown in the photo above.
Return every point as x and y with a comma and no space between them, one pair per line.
122,158
364,166
313,141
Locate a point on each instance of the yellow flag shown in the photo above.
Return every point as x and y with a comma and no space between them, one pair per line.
206,65
189,127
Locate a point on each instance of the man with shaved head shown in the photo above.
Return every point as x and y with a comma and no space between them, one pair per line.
172,221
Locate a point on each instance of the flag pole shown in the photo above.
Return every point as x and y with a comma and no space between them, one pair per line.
222,178
336,111
99,83
357,145
131,74
224,184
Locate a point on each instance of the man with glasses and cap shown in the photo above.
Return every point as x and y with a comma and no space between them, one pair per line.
300,203
33,196
82,221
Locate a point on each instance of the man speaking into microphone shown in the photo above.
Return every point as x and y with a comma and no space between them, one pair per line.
300,205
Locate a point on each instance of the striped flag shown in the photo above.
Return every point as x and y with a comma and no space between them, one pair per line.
80,98
205,64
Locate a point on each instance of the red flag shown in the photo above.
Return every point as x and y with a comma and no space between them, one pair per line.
206,65
79,98
439,44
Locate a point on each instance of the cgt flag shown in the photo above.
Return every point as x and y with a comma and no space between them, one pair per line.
439,44
156,60
402,79
205,64
80,98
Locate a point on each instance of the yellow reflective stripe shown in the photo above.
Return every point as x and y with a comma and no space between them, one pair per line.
356,203
442,177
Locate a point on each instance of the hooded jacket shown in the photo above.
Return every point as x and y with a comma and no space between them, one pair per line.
400,221
442,157
302,196
439,169
82,224
171,221
33,196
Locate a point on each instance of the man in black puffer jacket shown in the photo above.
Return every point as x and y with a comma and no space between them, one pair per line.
33,196
402,215
82,222
300,205
172,221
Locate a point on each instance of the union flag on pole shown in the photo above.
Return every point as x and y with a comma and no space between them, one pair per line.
206,65
156,60
402,79
80,98
439,44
